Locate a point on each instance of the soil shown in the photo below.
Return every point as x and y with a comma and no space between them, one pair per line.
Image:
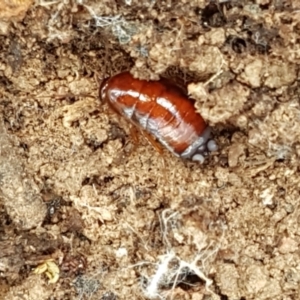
86,212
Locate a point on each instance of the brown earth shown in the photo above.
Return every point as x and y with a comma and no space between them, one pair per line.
120,221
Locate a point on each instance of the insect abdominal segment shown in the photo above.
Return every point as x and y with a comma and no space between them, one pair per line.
163,110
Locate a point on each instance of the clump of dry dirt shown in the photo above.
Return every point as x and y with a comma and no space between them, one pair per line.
120,221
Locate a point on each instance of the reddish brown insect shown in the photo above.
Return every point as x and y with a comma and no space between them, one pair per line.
162,109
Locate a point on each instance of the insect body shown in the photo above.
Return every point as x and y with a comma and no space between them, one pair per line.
162,109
